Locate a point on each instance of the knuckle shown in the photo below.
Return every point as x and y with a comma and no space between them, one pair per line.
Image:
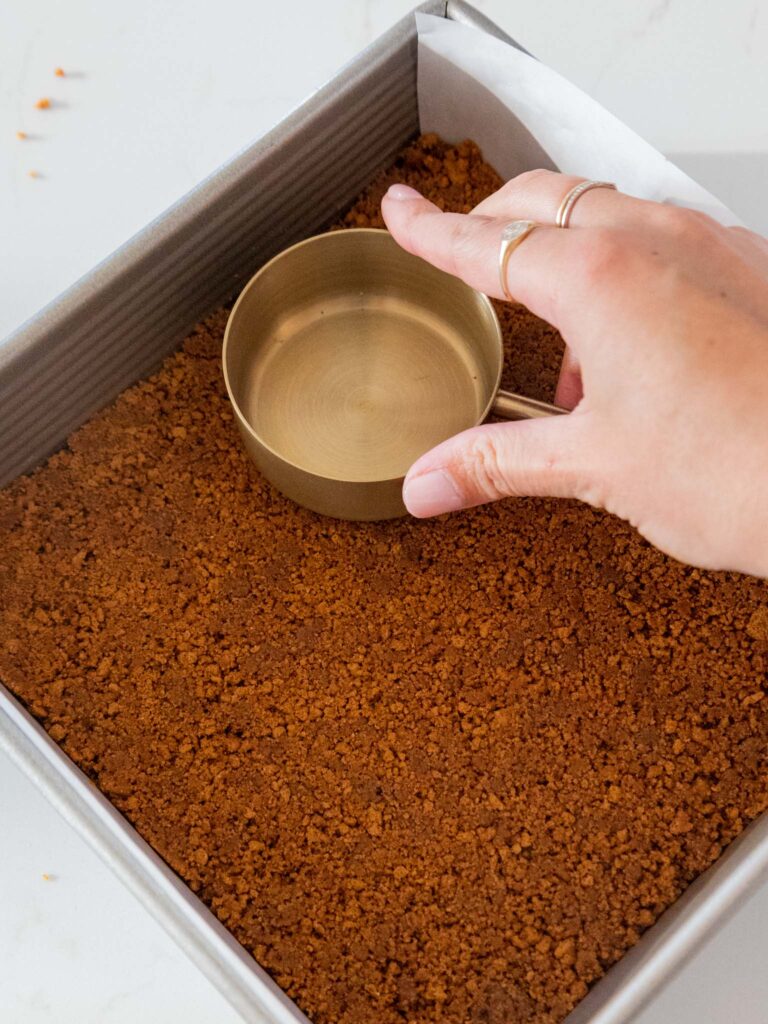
604,256
530,180
481,468
462,246
685,226
496,463
745,235
504,460
457,244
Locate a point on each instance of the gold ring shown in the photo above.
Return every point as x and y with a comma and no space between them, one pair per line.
513,235
572,197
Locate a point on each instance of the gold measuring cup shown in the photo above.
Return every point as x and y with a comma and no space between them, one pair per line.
346,358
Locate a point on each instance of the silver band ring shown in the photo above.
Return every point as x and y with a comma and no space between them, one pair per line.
572,197
514,234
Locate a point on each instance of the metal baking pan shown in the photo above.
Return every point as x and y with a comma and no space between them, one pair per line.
115,326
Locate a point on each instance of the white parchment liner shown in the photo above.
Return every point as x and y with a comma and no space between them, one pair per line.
524,115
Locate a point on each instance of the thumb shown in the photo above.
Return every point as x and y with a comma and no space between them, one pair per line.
543,457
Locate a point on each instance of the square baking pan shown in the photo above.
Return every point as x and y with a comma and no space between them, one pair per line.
116,325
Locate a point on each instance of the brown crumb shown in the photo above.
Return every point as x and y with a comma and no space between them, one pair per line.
47,877
21,135
757,627
43,104
33,174
427,771
59,72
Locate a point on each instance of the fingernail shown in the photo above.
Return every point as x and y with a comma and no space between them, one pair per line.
432,494
403,192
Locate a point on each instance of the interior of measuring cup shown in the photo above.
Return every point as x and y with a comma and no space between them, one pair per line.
356,357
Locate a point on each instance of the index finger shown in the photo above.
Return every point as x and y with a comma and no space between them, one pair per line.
540,272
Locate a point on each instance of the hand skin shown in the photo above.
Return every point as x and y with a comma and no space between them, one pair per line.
665,315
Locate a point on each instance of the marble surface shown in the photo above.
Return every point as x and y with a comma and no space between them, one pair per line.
76,947
155,97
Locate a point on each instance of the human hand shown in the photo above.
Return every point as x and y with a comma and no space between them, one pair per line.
665,315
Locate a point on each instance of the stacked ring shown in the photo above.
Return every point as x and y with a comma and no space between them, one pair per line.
516,232
572,197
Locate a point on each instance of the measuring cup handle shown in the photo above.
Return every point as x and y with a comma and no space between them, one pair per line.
517,407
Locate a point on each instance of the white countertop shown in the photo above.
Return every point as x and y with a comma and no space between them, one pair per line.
75,946
156,96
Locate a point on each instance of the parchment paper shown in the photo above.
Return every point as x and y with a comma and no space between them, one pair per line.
524,115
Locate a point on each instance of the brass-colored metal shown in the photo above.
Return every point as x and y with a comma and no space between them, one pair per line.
572,196
514,234
510,406
346,358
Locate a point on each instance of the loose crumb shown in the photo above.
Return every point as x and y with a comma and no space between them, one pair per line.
21,135
59,72
47,877
43,104
33,174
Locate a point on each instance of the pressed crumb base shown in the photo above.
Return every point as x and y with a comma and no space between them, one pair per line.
425,771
